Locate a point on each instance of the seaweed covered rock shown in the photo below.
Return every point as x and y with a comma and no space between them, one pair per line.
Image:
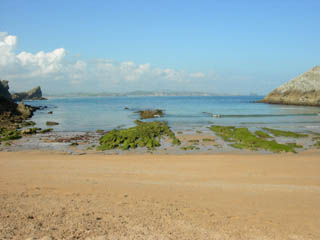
13,115
302,90
33,94
150,113
145,134
51,123
9,134
242,138
4,90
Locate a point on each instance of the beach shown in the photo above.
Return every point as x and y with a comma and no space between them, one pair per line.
55,195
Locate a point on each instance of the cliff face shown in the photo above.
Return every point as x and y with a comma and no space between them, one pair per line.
4,90
33,94
302,90
12,114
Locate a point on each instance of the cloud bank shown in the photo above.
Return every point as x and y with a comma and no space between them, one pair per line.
55,72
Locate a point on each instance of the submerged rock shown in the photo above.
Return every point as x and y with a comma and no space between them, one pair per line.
150,113
33,94
50,123
302,90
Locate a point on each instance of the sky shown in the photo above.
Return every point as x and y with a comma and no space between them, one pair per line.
235,46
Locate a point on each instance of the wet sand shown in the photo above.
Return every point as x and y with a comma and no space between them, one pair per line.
46,195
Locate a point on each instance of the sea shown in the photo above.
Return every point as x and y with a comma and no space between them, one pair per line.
183,113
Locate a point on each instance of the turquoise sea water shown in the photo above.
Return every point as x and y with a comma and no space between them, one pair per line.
92,113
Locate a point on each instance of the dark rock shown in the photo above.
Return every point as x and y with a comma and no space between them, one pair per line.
46,130
12,114
150,113
4,90
33,94
50,112
50,123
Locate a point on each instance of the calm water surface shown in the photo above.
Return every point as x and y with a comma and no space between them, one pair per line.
91,113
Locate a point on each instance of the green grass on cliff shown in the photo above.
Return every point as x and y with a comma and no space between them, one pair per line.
145,134
242,138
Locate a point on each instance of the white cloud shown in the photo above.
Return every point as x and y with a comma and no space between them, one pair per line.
197,75
52,69
7,46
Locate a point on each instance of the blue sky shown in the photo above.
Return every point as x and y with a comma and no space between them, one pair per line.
222,46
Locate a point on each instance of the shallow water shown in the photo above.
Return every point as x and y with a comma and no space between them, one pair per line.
182,113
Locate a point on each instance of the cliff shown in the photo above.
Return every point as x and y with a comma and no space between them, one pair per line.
302,90
33,94
12,114
4,90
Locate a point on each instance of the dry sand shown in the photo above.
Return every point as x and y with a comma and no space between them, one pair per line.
54,196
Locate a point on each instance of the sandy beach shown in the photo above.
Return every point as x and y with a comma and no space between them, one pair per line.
50,195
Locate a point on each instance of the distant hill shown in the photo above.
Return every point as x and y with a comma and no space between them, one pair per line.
139,93
302,90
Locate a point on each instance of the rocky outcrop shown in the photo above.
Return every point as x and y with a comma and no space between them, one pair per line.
4,90
33,94
302,90
12,115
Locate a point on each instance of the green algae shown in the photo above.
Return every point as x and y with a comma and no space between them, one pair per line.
30,131
46,130
242,138
281,133
208,140
9,134
150,113
28,123
262,134
145,134
190,148
317,144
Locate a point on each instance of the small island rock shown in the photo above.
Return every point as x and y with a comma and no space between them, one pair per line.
33,94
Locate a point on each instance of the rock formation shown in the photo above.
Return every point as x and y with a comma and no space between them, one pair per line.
33,94
12,114
4,90
302,90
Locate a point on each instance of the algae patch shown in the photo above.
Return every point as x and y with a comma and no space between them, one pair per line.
185,148
7,134
317,144
150,113
145,134
242,138
281,133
